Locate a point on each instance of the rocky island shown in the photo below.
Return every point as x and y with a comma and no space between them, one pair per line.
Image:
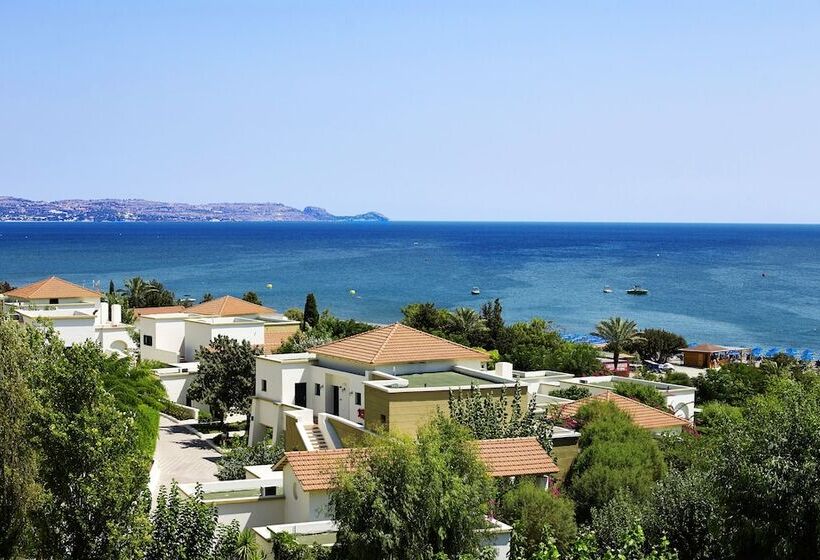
137,210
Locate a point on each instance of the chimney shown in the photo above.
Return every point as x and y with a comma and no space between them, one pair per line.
102,314
504,369
116,313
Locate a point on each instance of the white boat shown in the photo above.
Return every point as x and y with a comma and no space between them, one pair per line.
607,290
475,291
637,291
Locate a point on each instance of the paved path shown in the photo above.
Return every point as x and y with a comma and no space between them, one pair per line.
182,456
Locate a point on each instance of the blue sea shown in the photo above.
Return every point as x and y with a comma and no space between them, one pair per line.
730,284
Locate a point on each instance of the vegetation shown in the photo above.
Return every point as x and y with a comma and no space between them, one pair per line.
410,499
252,297
326,329
732,384
139,293
226,377
233,462
615,456
310,316
538,517
619,335
5,287
646,394
657,345
573,393
486,416
186,528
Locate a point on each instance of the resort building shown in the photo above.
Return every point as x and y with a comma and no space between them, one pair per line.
76,313
647,417
171,335
293,495
393,377
713,355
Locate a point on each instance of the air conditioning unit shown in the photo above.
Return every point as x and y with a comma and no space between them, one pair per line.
267,491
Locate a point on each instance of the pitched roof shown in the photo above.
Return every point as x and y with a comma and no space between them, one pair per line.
515,457
643,415
316,470
50,288
140,311
229,306
396,344
706,348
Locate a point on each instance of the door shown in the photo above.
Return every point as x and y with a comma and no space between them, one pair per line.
335,404
301,395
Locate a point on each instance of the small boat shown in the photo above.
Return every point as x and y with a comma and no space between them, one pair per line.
607,290
637,291
475,291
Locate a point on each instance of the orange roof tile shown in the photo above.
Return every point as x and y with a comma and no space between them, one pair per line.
229,306
316,470
515,457
706,348
396,344
643,415
52,288
140,311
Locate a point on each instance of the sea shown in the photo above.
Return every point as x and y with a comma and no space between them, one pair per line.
752,285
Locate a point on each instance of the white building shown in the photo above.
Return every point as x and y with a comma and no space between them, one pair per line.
76,313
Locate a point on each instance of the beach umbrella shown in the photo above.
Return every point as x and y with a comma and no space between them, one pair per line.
757,351
793,352
772,352
807,355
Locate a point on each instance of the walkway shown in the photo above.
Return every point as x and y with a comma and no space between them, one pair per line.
182,456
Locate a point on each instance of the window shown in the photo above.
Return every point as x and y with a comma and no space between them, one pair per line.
358,398
317,389
383,418
53,301
264,385
148,340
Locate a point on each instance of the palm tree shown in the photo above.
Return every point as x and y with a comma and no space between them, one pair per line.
137,290
618,333
467,323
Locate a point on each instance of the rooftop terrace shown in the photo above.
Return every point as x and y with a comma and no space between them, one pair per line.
442,379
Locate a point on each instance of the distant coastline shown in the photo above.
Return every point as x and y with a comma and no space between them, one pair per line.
137,210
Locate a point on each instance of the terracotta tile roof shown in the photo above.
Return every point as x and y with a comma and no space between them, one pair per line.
274,339
229,306
316,470
515,457
140,311
643,415
706,348
52,287
396,344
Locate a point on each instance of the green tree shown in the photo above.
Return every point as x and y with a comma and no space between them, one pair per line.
231,466
538,516
731,384
657,345
137,291
615,456
577,359
529,346
413,499
467,325
492,314
207,296
252,297
426,317
20,490
295,314
5,287
646,394
619,335
94,475
486,416
226,377
310,316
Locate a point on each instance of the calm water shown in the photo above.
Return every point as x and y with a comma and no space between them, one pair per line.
706,282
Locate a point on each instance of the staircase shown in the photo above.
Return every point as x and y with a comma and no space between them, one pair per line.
315,437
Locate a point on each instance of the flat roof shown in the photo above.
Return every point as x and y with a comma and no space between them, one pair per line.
224,321
442,379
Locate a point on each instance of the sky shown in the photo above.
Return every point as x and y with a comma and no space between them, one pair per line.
538,111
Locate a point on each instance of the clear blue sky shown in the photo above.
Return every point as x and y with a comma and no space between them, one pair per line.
623,111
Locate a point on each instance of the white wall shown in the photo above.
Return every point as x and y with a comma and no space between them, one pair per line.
115,338
168,335
252,512
74,330
198,334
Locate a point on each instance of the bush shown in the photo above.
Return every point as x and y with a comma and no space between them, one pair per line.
232,464
573,393
643,393
177,411
537,516
615,456
678,378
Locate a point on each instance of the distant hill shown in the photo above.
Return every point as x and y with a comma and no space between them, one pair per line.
136,210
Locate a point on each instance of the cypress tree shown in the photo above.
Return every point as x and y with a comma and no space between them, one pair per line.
311,314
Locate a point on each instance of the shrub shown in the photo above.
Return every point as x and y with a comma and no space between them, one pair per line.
573,393
177,411
643,393
232,464
537,516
